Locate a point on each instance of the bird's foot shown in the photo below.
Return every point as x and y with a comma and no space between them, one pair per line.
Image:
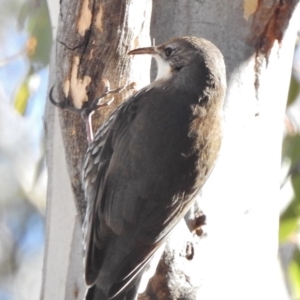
94,104
196,220
86,112
199,223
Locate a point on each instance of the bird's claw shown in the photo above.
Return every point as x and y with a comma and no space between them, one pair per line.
94,105
88,111
61,104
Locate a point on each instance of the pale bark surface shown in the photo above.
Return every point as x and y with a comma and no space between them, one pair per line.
236,259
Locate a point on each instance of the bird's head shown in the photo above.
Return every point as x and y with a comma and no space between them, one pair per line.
170,57
185,56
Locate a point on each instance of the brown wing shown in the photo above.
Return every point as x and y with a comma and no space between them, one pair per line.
139,178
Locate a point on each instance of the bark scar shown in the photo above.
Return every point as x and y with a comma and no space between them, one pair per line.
77,86
265,33
99,19
188,252
85,18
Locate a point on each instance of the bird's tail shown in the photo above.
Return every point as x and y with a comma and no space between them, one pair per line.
95,293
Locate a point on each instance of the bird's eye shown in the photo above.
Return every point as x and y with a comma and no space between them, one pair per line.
168,51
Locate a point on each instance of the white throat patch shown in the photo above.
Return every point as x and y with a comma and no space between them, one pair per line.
163,68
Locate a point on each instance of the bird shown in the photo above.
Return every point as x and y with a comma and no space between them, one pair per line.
148,161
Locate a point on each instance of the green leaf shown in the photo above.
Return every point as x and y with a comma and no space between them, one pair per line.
296,187
294,274
289,219
22,97
293,90
287,227
291,148
35,15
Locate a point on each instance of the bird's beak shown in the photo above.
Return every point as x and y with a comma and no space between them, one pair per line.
146,50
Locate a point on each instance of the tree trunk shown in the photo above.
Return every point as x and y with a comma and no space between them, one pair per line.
236,257
93,39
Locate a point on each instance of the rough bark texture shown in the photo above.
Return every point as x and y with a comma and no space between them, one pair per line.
92,44
236,257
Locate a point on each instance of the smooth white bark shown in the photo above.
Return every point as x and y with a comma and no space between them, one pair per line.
238,258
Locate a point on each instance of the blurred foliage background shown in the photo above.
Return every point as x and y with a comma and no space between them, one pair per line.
289,232
26,39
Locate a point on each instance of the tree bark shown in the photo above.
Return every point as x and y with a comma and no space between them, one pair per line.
93,38
237,259
92,44
236,256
